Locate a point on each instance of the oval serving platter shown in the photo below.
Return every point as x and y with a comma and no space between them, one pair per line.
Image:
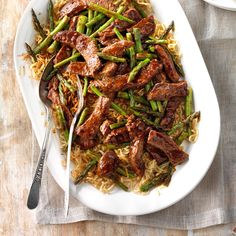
224,4
201,154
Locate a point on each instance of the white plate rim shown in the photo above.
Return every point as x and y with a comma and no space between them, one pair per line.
221,4
81,189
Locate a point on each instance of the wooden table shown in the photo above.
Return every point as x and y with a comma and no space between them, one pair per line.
16,137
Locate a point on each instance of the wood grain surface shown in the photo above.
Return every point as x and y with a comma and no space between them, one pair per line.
16,137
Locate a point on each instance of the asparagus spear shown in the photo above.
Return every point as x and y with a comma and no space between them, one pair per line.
118,125
112,19
189,102
147,110
182,137
61,94
90,17
131,97
144,55
62,121
50,15
151,48
30,52
37,25
137,68
83,116
95,20
139,8
80,27
53,47
156,41
111,58
169,28
137,38
52,73
124,173
66,83
85,89
138,99
48,39
131,51
118,34
113,105
177,127
153,105
61,63
109,13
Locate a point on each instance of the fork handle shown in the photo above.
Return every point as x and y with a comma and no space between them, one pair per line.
33,197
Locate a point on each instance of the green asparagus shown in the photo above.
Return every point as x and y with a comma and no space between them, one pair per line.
90,17
189,102
95,20
65,61
118,125
118,34
37,25
169,28
50,15
85,89
139,8
30,52
111,58
66,83
80,27
83,116
137,38
131,51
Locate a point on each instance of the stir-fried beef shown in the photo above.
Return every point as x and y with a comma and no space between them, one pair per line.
107,164
68,115
118,136
88,131
79,68
105,127
84,44
146,26
161,77
73,23
106,41
118,49
168,146
156,154
168,119
135,156
168,64
165,91
123,68
109,69
135,127
62,54
53,94
73,7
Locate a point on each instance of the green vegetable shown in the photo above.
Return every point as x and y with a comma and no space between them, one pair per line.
137,38
52,73
30,52
182,137
85,89
50,15
189,102
53,47
169,28
154,105
131,51
48,39
139,8
124,173
177,127
118,183
83,116
151,49
90,17
111,58
138,99
118,34
109,13
131,97
118,125
80,27
156,41
65,61
144,55
103,27
62,121
37,25
159,105
137,68
66,83
148,86
95,20
147,110
61,94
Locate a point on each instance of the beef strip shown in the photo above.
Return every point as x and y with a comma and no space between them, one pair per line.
107,164
105,127
117,49
68,115
62,54
135,127
53,94
79,68
123,68
73,23
146,26
118,136
88,131
84,44
135,156
106,41
156,154
161,77
109,69
163,142
168,64
163,91
169,117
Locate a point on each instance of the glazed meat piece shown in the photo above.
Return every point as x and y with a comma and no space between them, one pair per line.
79,68
146,26
135,156
118,136
156,154
135,127
73,7
163,142
161,77
168,64
117,49
53,94
84,44
68,115
168,119
107,164
105,127
62,54
88,131
109,69
107,41
123,68
165,91
73,23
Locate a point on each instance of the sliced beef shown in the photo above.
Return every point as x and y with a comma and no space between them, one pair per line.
164,143
146,26
106,41
62,54
53,84
109,69
84,44
168,63
79,68
165,91
107,164
156,154
169,117
88,131
105,127
53,94
118,136
73,7
123,68
117,49
135,127
68,115
135,156
161,77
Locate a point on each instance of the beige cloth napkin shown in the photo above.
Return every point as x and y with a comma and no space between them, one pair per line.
214,200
